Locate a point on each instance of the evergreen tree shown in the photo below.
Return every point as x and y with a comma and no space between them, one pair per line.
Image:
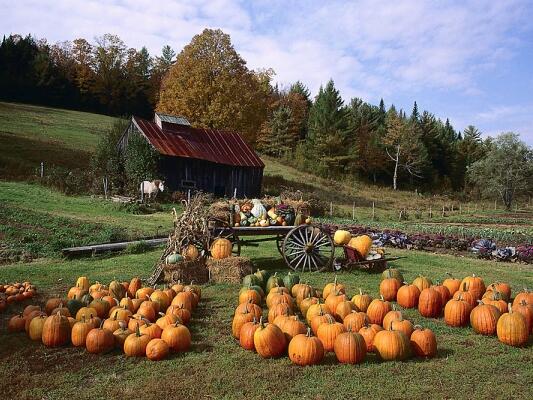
328,130
414,114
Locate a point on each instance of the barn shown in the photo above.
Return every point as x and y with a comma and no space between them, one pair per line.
210,160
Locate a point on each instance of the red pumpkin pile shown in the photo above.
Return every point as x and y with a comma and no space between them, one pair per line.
464,302
140,321
15,293
334,322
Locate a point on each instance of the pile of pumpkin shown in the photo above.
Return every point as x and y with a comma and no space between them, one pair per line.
468,301
348,327
16,293
140,321
362,243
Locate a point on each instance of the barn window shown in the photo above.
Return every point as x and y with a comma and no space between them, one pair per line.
188,184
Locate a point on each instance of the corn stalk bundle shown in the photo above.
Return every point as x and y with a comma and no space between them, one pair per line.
190,227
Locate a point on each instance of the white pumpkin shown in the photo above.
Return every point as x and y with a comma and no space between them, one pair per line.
258,209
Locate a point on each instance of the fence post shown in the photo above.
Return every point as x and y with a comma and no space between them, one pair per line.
42,169
188,196
331,209
430,212
142,192
495,200
104,180
443,210
373,211
235,193
353,211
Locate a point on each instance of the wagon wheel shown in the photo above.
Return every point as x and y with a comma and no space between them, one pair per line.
225,231
308,248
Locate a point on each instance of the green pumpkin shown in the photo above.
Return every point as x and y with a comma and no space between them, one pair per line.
174,258
290,280
273,281
392,273
116,290
299,220
86,300
251,280
263,276
74,305
258,289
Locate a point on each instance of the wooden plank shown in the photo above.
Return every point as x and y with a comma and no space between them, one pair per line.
118,246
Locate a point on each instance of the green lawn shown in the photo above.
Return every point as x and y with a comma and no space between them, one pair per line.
467,365
41,221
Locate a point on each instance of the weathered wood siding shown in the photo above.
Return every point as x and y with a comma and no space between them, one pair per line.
182,173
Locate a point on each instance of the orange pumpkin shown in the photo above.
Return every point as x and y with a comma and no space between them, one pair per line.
221,248
305,349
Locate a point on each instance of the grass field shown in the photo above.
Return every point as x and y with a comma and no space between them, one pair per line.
467,365
31,134
42,221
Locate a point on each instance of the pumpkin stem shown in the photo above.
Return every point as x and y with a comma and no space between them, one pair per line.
261,322
308,334
510,306
138,330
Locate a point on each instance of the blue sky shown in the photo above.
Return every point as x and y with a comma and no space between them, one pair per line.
470,61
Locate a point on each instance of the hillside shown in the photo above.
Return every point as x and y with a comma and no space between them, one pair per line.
31,134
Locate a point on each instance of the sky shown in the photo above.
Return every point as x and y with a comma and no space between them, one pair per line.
470,61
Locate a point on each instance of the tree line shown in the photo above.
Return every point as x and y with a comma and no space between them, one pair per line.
209,83
105,76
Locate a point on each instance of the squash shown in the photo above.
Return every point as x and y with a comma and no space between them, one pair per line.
342,237
173,258
362,244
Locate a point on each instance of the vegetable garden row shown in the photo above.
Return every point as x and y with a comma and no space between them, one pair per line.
483,248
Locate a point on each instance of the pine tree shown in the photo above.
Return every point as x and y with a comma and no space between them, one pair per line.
415,116
328,130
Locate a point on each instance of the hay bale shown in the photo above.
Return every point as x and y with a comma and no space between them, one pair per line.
220,210
186,271
229,270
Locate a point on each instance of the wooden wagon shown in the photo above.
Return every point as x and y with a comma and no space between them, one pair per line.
304,248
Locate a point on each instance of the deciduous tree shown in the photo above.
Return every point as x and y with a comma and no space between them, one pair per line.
506,170
210,85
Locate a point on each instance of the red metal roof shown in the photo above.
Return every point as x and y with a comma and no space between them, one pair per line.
222,147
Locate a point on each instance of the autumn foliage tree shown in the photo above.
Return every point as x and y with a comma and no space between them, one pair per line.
211,86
